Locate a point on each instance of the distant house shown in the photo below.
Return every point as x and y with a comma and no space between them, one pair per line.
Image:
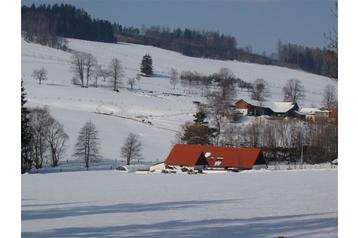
204,156
323,113
334,114
313,114
277,109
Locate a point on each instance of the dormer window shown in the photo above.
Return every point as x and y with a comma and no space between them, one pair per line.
218,161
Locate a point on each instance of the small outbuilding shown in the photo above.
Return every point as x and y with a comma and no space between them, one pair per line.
160,166
313,114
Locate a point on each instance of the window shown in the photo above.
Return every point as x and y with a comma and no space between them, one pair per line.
218,161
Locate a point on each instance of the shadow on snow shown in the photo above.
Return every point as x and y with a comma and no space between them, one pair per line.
272,226
54,213
319,224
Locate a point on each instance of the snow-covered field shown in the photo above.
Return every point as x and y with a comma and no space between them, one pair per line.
254,204
117,114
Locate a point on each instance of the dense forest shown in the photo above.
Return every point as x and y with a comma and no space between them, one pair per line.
315,60
64,21
214,45
195,43
46,24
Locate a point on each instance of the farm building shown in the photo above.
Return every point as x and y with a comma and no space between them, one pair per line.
277,109
157,167
312,114
334,114
198,157
189,156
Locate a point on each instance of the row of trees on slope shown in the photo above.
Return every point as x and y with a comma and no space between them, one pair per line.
208,44
293,90
43,139
86,70
288,140
315,60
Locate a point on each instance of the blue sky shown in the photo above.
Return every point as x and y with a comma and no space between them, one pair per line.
260,23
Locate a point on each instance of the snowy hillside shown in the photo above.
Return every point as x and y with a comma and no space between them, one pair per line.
117,114
248,204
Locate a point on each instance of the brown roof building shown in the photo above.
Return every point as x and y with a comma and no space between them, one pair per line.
276,109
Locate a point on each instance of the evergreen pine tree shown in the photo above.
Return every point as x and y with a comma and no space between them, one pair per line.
25,134
199,117
196,133
147,65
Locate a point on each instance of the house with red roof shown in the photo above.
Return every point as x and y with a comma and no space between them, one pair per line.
197,157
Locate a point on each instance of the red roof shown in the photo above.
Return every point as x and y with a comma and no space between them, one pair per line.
186,155
223,157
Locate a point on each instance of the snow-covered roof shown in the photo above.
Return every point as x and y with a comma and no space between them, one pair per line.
308,110
278,107
311,110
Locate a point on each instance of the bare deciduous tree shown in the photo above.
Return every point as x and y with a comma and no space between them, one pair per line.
132,148
104,73
90,66
131,82
218,111
329,96
174,77
226,81
178,138
293,91
97,74
87,146
56,139
253,133
283,134
269,133
332,36
322,145
297,135
49,137
40,120
78,67
116,73
40,74
219,102
231,135
260,91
